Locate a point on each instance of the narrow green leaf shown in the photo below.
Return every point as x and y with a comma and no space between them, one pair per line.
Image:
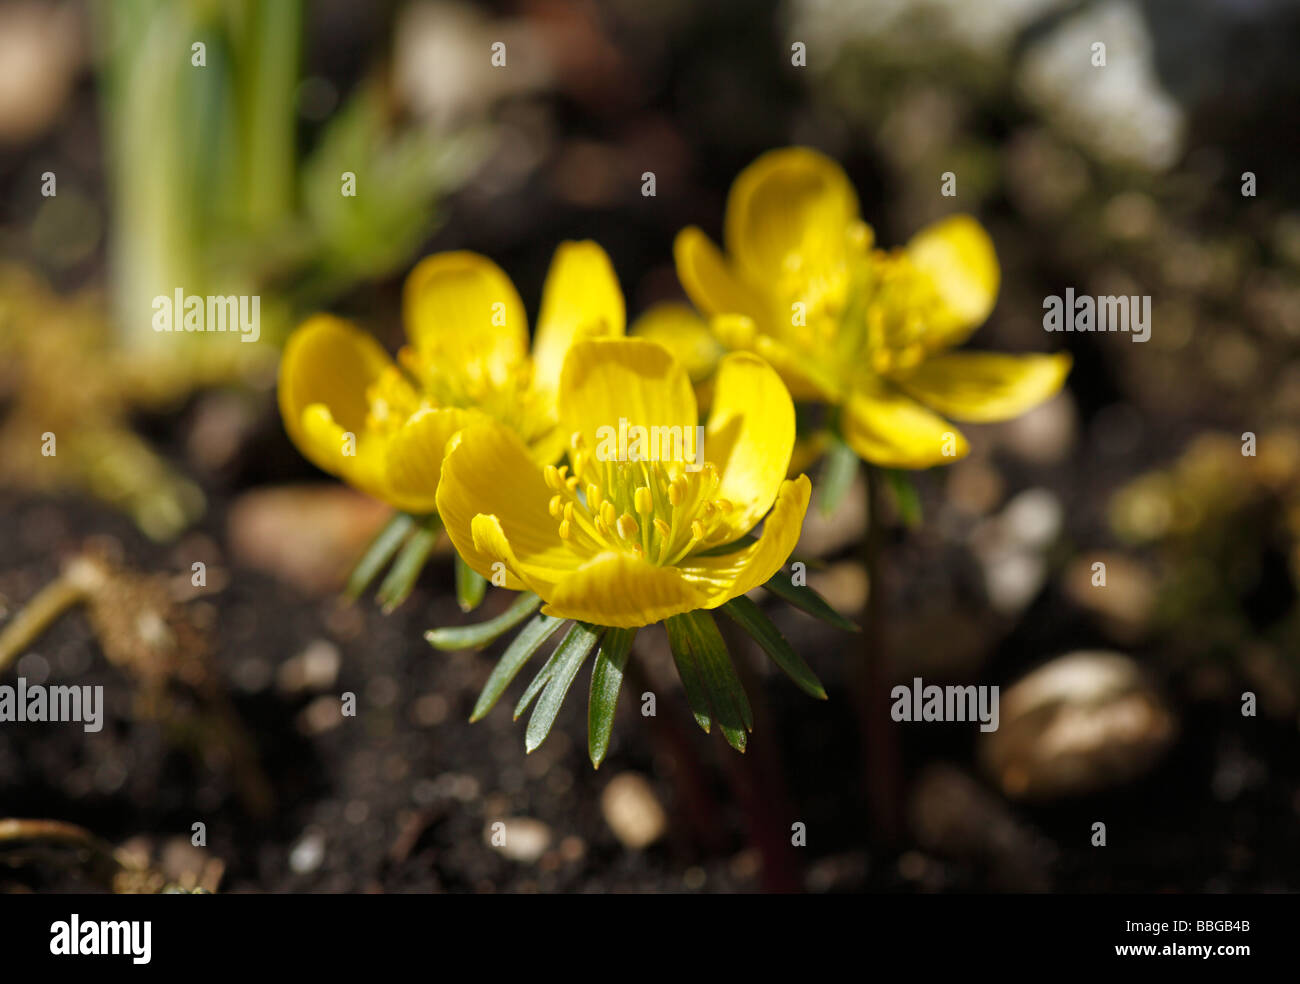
711,684
470,586
570,655
807,600
730,705
760,628
683,650
396,587
906,499
606,680
378,553
519,652
838,469
453,638
540,680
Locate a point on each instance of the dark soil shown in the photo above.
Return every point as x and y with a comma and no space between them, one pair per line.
399,797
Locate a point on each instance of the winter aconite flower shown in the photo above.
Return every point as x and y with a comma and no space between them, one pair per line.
865,330
644,521
382,425
650,519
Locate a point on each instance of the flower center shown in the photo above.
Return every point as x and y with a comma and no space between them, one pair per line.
424,382
871,314
391,400
900,305
661,511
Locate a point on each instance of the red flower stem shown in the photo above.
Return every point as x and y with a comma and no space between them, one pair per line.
881,756
693,795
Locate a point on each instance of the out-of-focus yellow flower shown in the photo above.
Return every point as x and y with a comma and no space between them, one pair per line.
626,534
680,329
862,329
382,426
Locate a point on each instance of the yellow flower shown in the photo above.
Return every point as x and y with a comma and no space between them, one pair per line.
628,532
680,329
382,426
683,333
862,329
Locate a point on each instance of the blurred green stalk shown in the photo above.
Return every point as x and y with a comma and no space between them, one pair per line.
200,156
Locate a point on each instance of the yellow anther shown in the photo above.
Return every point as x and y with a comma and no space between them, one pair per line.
645,503
556,503
607,513
662,528
627,526
552,476
593,497
576,440
676,491
571,482
697,529
565,529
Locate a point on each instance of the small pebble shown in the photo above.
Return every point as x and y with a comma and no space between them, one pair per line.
315,668
321,715
307,854
632,810
523,839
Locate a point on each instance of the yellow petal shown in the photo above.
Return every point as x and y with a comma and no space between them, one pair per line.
983,386
581,299
488,471
886,427
328,361
709,282
749,437
490,541
462,309
623,591
730,575
801,375
550,447
788,215
683,333
357,456
960,259
413,458
624,379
